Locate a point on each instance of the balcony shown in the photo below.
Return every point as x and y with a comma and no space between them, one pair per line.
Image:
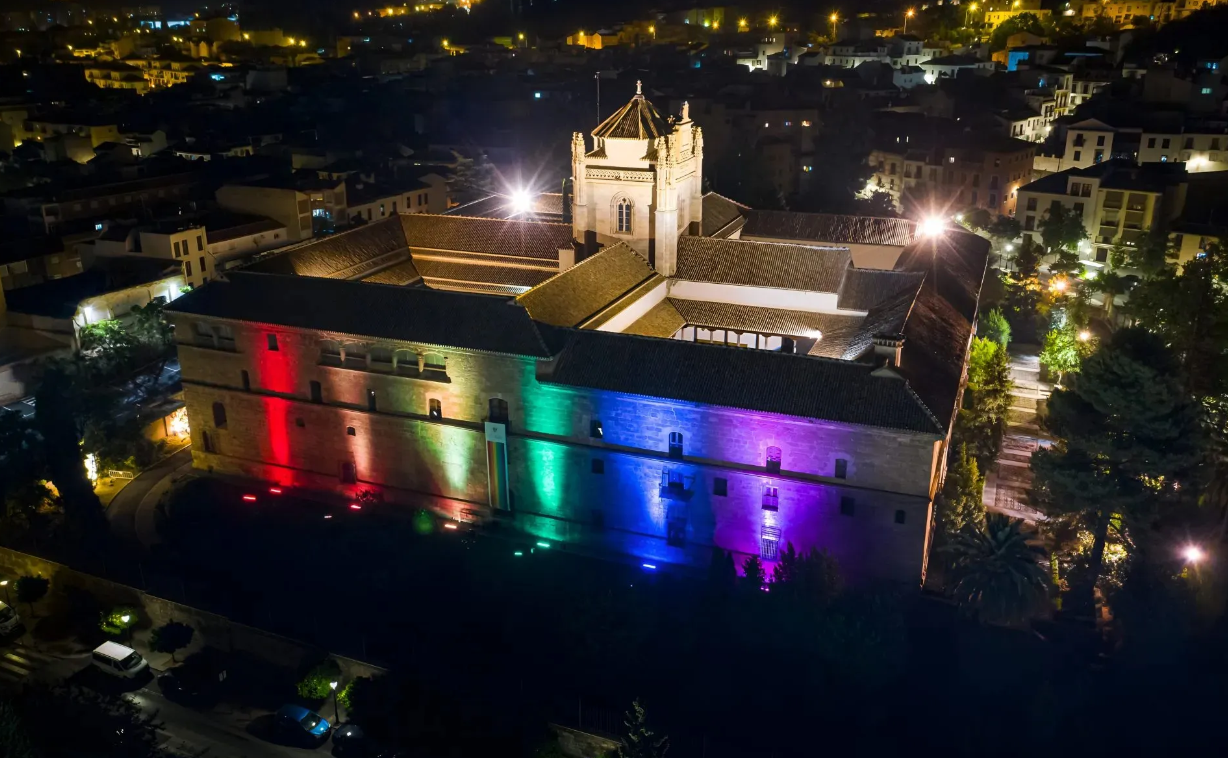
676,486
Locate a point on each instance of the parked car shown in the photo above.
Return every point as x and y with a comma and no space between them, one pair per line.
197,681
350,741
299,724
117,660
9,620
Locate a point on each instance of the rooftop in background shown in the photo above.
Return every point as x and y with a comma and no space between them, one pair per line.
1115,174
545,206
829,228
59,299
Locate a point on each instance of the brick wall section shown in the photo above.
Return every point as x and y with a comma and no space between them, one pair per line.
275,432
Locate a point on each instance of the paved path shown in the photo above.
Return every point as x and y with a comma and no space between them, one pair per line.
132,512
19,662
1009,481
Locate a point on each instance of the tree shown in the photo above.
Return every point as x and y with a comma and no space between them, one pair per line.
638,741
1110,284
1153,255
60,410
996,575
1061,352
813,576
753,575
31,589
1061,231
981,422
994,326
1027,260
1129,438
119,619
172,637
962,502
1024,22
23,474
1005,228
1189,309
15,740
315,685
722,576
978,219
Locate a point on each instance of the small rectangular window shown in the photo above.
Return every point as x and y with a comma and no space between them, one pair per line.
317,393
900,516
272,338
598,466
300,423
595,429
720,487
769,544
773,460
842,468
349,430
436,408
847,506
371,400
203,270
247,381
348,475
187,268
675,445
200,243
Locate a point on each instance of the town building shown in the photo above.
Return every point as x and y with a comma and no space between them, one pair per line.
305,203
667,372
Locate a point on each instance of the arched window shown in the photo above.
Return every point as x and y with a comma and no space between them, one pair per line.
219,415
624,210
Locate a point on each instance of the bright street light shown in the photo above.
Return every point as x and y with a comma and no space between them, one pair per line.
741,25
522,201
907,15
772,21
1084,336
932,226
125,618
834,18
1193,554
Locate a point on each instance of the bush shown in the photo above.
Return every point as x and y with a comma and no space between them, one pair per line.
172,637
994,326
119,619
315,685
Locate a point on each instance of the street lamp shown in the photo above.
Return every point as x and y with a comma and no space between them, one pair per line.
1084,336
1193,554
772,20
971,8
741,27
336,713
907,15
834,18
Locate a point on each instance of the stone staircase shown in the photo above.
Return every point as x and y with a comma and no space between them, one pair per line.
1009,480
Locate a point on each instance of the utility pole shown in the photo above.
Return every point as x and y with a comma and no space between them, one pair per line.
597,76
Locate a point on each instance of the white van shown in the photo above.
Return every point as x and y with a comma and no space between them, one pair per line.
117,660
8,619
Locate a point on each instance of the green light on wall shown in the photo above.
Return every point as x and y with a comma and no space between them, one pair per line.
543,544
518,553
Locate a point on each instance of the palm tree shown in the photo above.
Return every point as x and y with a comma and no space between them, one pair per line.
1110,284
996,575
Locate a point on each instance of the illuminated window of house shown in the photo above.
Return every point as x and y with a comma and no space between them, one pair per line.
624,215
675,444
769,543
435,408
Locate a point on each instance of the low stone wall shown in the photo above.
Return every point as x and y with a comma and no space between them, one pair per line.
580,744
211,628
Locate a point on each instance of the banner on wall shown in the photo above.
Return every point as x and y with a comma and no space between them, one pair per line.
496,466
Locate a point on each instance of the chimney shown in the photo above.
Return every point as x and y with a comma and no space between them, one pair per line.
889,346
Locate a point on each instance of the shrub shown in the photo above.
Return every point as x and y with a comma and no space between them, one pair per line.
314,686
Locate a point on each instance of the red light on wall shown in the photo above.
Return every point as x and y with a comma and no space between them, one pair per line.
275,490
449,525
250,498
355,507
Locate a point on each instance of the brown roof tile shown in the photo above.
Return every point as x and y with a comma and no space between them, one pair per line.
829,228
638,119
527,239
761,264
581,292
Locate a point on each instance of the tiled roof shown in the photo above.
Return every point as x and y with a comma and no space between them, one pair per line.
546,206
662,321
754,380
254,225
333,256
939,325
761,264
412,314
399,274
584,290
863,289
720,214
463,272
829,228
638,119
527,239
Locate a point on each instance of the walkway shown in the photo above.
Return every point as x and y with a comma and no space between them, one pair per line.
1008,483
133,511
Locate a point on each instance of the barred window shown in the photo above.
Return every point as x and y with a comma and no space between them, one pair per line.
624,215
769,543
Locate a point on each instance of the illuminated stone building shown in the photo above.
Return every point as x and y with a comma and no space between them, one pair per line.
717,376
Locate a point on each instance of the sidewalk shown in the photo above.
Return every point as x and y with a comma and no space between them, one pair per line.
1008,482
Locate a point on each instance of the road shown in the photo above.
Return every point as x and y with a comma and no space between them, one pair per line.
131,512
222,732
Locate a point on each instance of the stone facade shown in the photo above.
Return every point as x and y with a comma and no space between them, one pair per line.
584,466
